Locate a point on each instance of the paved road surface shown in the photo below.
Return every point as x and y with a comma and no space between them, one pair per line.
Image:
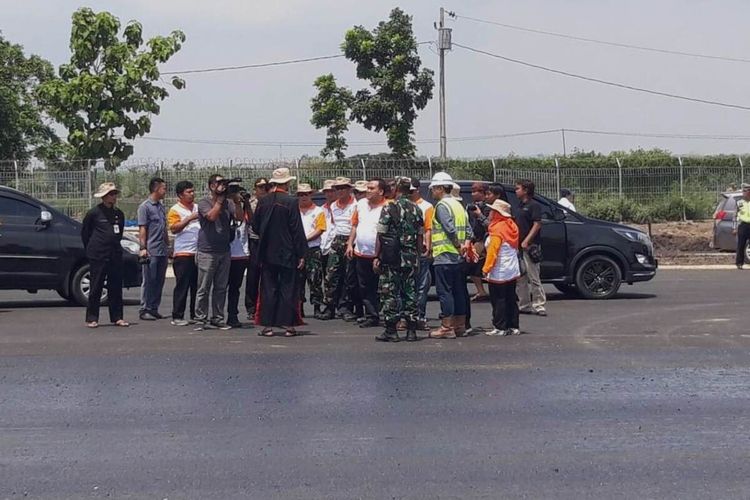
641,397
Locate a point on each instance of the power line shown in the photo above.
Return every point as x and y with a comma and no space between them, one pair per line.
605,82
249,66
604,42
261,65
720,137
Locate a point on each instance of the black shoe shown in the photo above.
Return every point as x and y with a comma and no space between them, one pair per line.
389,334
220,325
349,317
369,323
157,315
411,331
316,312
147,316
326,315
234,323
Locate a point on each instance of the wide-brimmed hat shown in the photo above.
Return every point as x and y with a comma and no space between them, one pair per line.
456,191
281,176
304,188
360,186
501,207
415,184
342,182
105,189
327,185
441,179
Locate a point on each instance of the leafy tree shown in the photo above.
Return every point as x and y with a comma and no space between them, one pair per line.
387,57
107,93
24,131
329,109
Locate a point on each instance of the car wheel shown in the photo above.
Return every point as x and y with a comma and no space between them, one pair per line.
80,286
598,277
747,254
568,289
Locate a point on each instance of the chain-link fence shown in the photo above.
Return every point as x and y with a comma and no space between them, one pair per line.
614,192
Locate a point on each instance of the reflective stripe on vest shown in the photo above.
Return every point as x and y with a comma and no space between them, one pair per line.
440,242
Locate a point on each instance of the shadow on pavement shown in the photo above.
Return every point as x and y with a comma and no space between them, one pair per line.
52,303
558,297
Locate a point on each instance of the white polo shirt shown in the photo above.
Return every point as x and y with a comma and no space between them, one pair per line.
313,219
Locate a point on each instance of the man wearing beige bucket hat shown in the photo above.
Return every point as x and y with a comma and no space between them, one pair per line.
101,233
281,253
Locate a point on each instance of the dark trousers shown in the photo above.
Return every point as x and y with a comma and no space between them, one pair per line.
354,295
111,271
236,276
153,283
743,236
450,282
186,282
504,305
467,269
367,282
279,303
253,278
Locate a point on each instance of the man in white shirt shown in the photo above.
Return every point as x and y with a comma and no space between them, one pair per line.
361,248
314,224
182,221
567,197
340,279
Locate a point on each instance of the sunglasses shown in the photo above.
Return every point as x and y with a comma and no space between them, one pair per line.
304,194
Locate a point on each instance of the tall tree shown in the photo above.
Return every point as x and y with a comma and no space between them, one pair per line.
387,57
330,108
24,131
107,93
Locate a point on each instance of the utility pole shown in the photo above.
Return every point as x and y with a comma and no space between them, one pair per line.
444,43
565,148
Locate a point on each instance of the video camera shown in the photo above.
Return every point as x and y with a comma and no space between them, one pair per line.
233,186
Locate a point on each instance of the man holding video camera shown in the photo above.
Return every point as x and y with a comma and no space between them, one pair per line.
216,213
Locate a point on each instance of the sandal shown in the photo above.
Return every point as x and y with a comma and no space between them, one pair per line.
266,332
480,297
291,333
92,324
121,323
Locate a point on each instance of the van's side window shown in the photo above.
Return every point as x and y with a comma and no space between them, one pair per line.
20,211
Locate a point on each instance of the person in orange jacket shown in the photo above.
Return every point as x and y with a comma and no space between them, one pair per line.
501,269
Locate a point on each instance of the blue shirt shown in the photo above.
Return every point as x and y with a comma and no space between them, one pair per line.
153,216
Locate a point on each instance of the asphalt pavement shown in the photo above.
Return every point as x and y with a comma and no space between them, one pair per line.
644,396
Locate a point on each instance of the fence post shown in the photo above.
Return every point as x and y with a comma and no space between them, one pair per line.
682,188
619,177
557,177
88,182
296,166
364,169
494,171
742,169
15,165
429,164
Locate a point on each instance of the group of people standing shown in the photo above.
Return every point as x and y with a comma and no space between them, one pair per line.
365,255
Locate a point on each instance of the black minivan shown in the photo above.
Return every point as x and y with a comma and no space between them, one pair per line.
41,249
583,257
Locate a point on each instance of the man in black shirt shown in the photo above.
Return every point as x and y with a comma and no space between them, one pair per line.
101,235
531,296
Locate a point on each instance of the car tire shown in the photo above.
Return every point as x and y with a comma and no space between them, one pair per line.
81,284
568,289
598,277
747,253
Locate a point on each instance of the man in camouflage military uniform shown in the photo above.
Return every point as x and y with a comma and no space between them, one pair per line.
400,221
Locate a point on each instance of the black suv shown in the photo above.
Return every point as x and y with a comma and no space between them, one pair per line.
582,256
41,249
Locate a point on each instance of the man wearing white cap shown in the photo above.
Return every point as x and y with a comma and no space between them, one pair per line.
101,234
281,253
451,237
340,278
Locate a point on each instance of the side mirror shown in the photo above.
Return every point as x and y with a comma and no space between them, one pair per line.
45,217
558,215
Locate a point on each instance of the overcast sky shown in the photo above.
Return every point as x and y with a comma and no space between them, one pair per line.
485,96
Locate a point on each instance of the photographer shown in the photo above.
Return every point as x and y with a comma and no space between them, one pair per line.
215,213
